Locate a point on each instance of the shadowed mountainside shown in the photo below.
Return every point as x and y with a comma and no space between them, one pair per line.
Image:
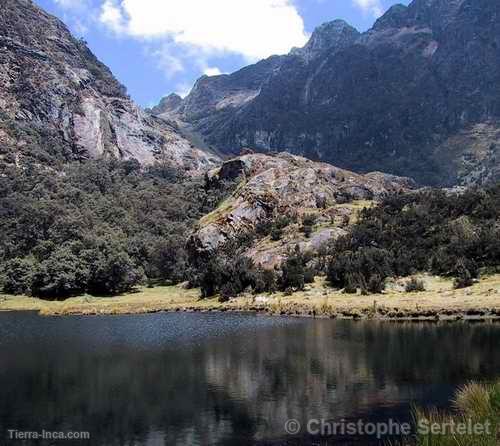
417,95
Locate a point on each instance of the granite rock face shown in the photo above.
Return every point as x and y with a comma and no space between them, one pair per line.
273,186
59,103
417,95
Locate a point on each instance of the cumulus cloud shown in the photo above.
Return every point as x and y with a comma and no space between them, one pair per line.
212,71
373,7
111,16
254,29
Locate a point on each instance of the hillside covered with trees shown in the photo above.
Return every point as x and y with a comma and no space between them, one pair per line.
98,226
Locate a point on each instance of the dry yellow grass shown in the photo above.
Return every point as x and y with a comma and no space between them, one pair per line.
480,300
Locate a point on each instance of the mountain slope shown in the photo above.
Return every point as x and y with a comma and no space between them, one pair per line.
282,187
417,95
59,103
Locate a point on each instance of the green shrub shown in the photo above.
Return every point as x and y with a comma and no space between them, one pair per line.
351,286
276,234
415,285
264,228
18,276
309,275
376,285
465,272
363,264
62,275
111,270
292,272
307,230
265,281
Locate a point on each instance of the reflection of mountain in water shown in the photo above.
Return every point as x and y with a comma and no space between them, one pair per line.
236,386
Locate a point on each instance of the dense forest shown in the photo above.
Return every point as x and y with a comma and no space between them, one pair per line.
104,226
99,226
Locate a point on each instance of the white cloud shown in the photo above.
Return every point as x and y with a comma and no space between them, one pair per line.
112,17
167,62
253,28
373,7
183,89
71,4
212,71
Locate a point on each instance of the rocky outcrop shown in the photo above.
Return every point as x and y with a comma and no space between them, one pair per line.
59,103
274,186
331,37
406,97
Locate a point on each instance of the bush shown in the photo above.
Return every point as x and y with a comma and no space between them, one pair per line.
62,275
264,228
309,275
111,270
211,278
364,264
18,276
276,234
376,284
415,285
265,281
227,274
307,230
309,220
351,286
464,278
292,272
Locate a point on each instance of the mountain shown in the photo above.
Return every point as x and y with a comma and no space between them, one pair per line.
417,95
59,103
271,189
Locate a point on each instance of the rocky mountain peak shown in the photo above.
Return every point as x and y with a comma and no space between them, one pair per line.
168,104
333,35
59,103
395,17
434,14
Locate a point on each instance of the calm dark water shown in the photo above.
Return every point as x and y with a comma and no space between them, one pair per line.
206,379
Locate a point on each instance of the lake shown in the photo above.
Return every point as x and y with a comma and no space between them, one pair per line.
227,379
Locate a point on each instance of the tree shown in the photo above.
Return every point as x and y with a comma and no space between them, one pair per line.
18,275
376,284
465,273
292,271
111,270
62,275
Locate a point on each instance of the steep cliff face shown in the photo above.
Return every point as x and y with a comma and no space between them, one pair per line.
282,185
417,95
58,102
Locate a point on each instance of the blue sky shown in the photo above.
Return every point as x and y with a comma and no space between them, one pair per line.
155,47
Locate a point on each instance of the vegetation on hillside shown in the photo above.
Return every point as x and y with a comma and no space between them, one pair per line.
447,234
450,234
105,226
99,226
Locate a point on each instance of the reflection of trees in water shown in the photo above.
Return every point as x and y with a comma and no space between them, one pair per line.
244,386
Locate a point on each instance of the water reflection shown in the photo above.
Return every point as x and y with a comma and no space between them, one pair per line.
225,379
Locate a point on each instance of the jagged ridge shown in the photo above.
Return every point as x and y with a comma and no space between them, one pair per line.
417,95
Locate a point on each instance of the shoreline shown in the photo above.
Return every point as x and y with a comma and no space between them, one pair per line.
440,302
